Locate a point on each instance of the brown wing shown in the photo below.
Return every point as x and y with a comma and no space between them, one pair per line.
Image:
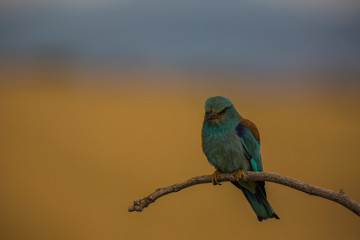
253,129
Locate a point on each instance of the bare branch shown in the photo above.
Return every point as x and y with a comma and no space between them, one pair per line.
339,197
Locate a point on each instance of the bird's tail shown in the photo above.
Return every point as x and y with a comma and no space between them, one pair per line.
258,201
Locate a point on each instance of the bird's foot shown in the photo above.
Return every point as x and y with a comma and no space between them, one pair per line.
238,174
215,179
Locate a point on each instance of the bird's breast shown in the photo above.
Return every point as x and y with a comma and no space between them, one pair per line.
224,151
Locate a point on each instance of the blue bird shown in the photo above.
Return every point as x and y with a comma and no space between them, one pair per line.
232,144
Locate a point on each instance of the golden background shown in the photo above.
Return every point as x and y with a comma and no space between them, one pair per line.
74,156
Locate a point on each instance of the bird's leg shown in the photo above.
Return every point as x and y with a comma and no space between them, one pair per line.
238,174
215,178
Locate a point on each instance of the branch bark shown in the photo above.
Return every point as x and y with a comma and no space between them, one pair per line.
339,197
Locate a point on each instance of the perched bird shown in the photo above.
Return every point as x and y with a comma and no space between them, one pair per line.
232,144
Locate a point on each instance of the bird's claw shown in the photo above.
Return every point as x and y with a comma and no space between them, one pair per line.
215,179
238,174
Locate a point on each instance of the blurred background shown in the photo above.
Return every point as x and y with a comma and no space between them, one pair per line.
101,102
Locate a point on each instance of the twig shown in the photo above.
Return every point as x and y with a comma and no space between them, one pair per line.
339,197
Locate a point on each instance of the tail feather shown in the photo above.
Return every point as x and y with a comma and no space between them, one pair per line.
258,202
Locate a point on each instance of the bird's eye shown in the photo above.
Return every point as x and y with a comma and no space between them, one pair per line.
224,110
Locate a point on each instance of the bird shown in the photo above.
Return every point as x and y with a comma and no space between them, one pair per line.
232,145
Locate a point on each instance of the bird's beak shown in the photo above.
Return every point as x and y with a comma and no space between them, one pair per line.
211,116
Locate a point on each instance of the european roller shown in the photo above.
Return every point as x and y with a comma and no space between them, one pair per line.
232,144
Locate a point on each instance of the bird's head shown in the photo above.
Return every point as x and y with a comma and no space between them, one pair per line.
220,110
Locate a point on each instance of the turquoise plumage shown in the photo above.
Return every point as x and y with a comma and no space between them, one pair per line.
232,143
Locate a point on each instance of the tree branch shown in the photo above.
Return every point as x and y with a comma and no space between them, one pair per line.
339,197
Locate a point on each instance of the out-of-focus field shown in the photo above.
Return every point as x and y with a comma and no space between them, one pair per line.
74,156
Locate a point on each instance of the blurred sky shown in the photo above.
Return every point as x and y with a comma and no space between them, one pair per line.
273,35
